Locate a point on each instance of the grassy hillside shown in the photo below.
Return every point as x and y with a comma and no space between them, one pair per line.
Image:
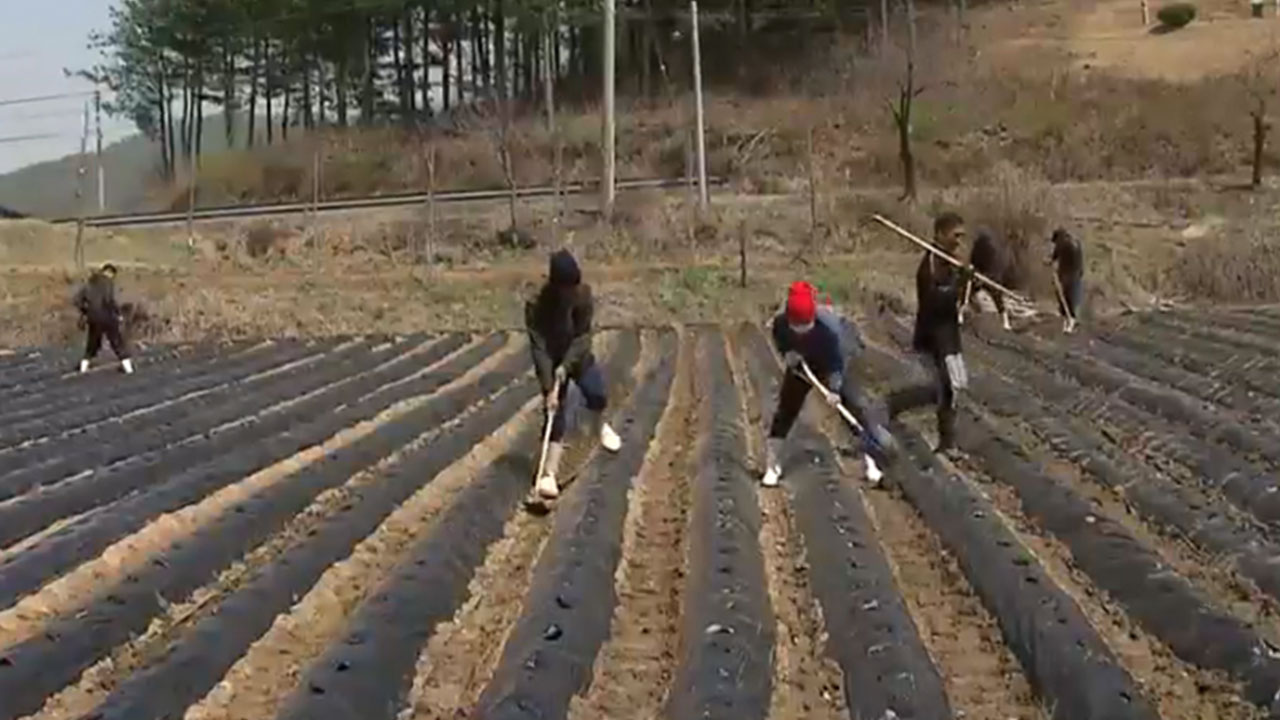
47,189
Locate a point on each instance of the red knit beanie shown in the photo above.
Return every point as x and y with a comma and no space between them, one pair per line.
802,304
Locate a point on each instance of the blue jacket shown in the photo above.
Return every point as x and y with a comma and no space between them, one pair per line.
825,348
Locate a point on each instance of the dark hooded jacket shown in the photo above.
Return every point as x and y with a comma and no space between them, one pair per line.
558,320
1069,256
938,287
97,299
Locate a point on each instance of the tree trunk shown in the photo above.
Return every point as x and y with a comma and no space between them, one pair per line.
646,52
477,70
186,108
1259,143
308,119
370,71
268,91
427,109
884,24
458,55
398,60
484,46
341,74
410,68
286,89
198,109
253,91
229,95
447,36
500,47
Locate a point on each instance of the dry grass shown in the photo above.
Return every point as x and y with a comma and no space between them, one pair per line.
1244,266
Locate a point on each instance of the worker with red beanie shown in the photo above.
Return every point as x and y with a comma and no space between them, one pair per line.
817,337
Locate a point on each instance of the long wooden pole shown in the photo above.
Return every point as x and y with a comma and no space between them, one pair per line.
703,198
610,127
944,255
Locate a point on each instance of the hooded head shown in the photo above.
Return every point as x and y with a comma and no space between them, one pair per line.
563,271
802,306
109,270
1060,237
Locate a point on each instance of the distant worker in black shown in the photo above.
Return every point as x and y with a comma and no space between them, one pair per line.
991,258
1069,256
100,316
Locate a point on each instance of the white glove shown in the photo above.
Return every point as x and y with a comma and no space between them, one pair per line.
561,375
793,360
832,398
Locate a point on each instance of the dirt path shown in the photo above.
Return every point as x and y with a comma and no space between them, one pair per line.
635,666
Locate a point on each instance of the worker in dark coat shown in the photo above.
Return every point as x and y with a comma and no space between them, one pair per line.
937,333
991,258
100,317
1069,256
817,337
558,321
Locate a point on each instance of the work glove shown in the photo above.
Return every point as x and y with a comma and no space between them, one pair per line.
830,392
551,401
562,374
793,360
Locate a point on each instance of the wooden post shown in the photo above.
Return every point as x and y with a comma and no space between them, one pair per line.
609,181
102,175
191,193
697,100
80,173
431,204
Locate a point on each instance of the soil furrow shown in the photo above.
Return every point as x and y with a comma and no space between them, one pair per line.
634,668
869,633
461,655
727,634
549,653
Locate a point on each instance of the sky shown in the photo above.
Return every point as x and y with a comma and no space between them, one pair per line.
38,38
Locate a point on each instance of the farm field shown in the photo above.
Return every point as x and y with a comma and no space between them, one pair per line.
335,529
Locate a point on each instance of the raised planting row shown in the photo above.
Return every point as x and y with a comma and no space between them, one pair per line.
1161,600
548,655
1218,335
1230,398
1174,405
360,399
724,669
369,673
196,435
887,670
113,437
1038,399
169,377
88,414
1213,466
1254,372
49,661
59,376
1064,658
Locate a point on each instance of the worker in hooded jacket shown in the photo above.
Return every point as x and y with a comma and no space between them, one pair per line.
558,320
100,317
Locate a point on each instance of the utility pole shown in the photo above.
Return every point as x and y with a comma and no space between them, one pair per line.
697,100
102,173
80,173
610,128
191,191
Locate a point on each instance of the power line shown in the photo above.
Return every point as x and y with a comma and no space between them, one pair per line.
23,138
45,98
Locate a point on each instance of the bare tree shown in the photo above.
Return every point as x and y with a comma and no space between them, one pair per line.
1259,81
901,106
